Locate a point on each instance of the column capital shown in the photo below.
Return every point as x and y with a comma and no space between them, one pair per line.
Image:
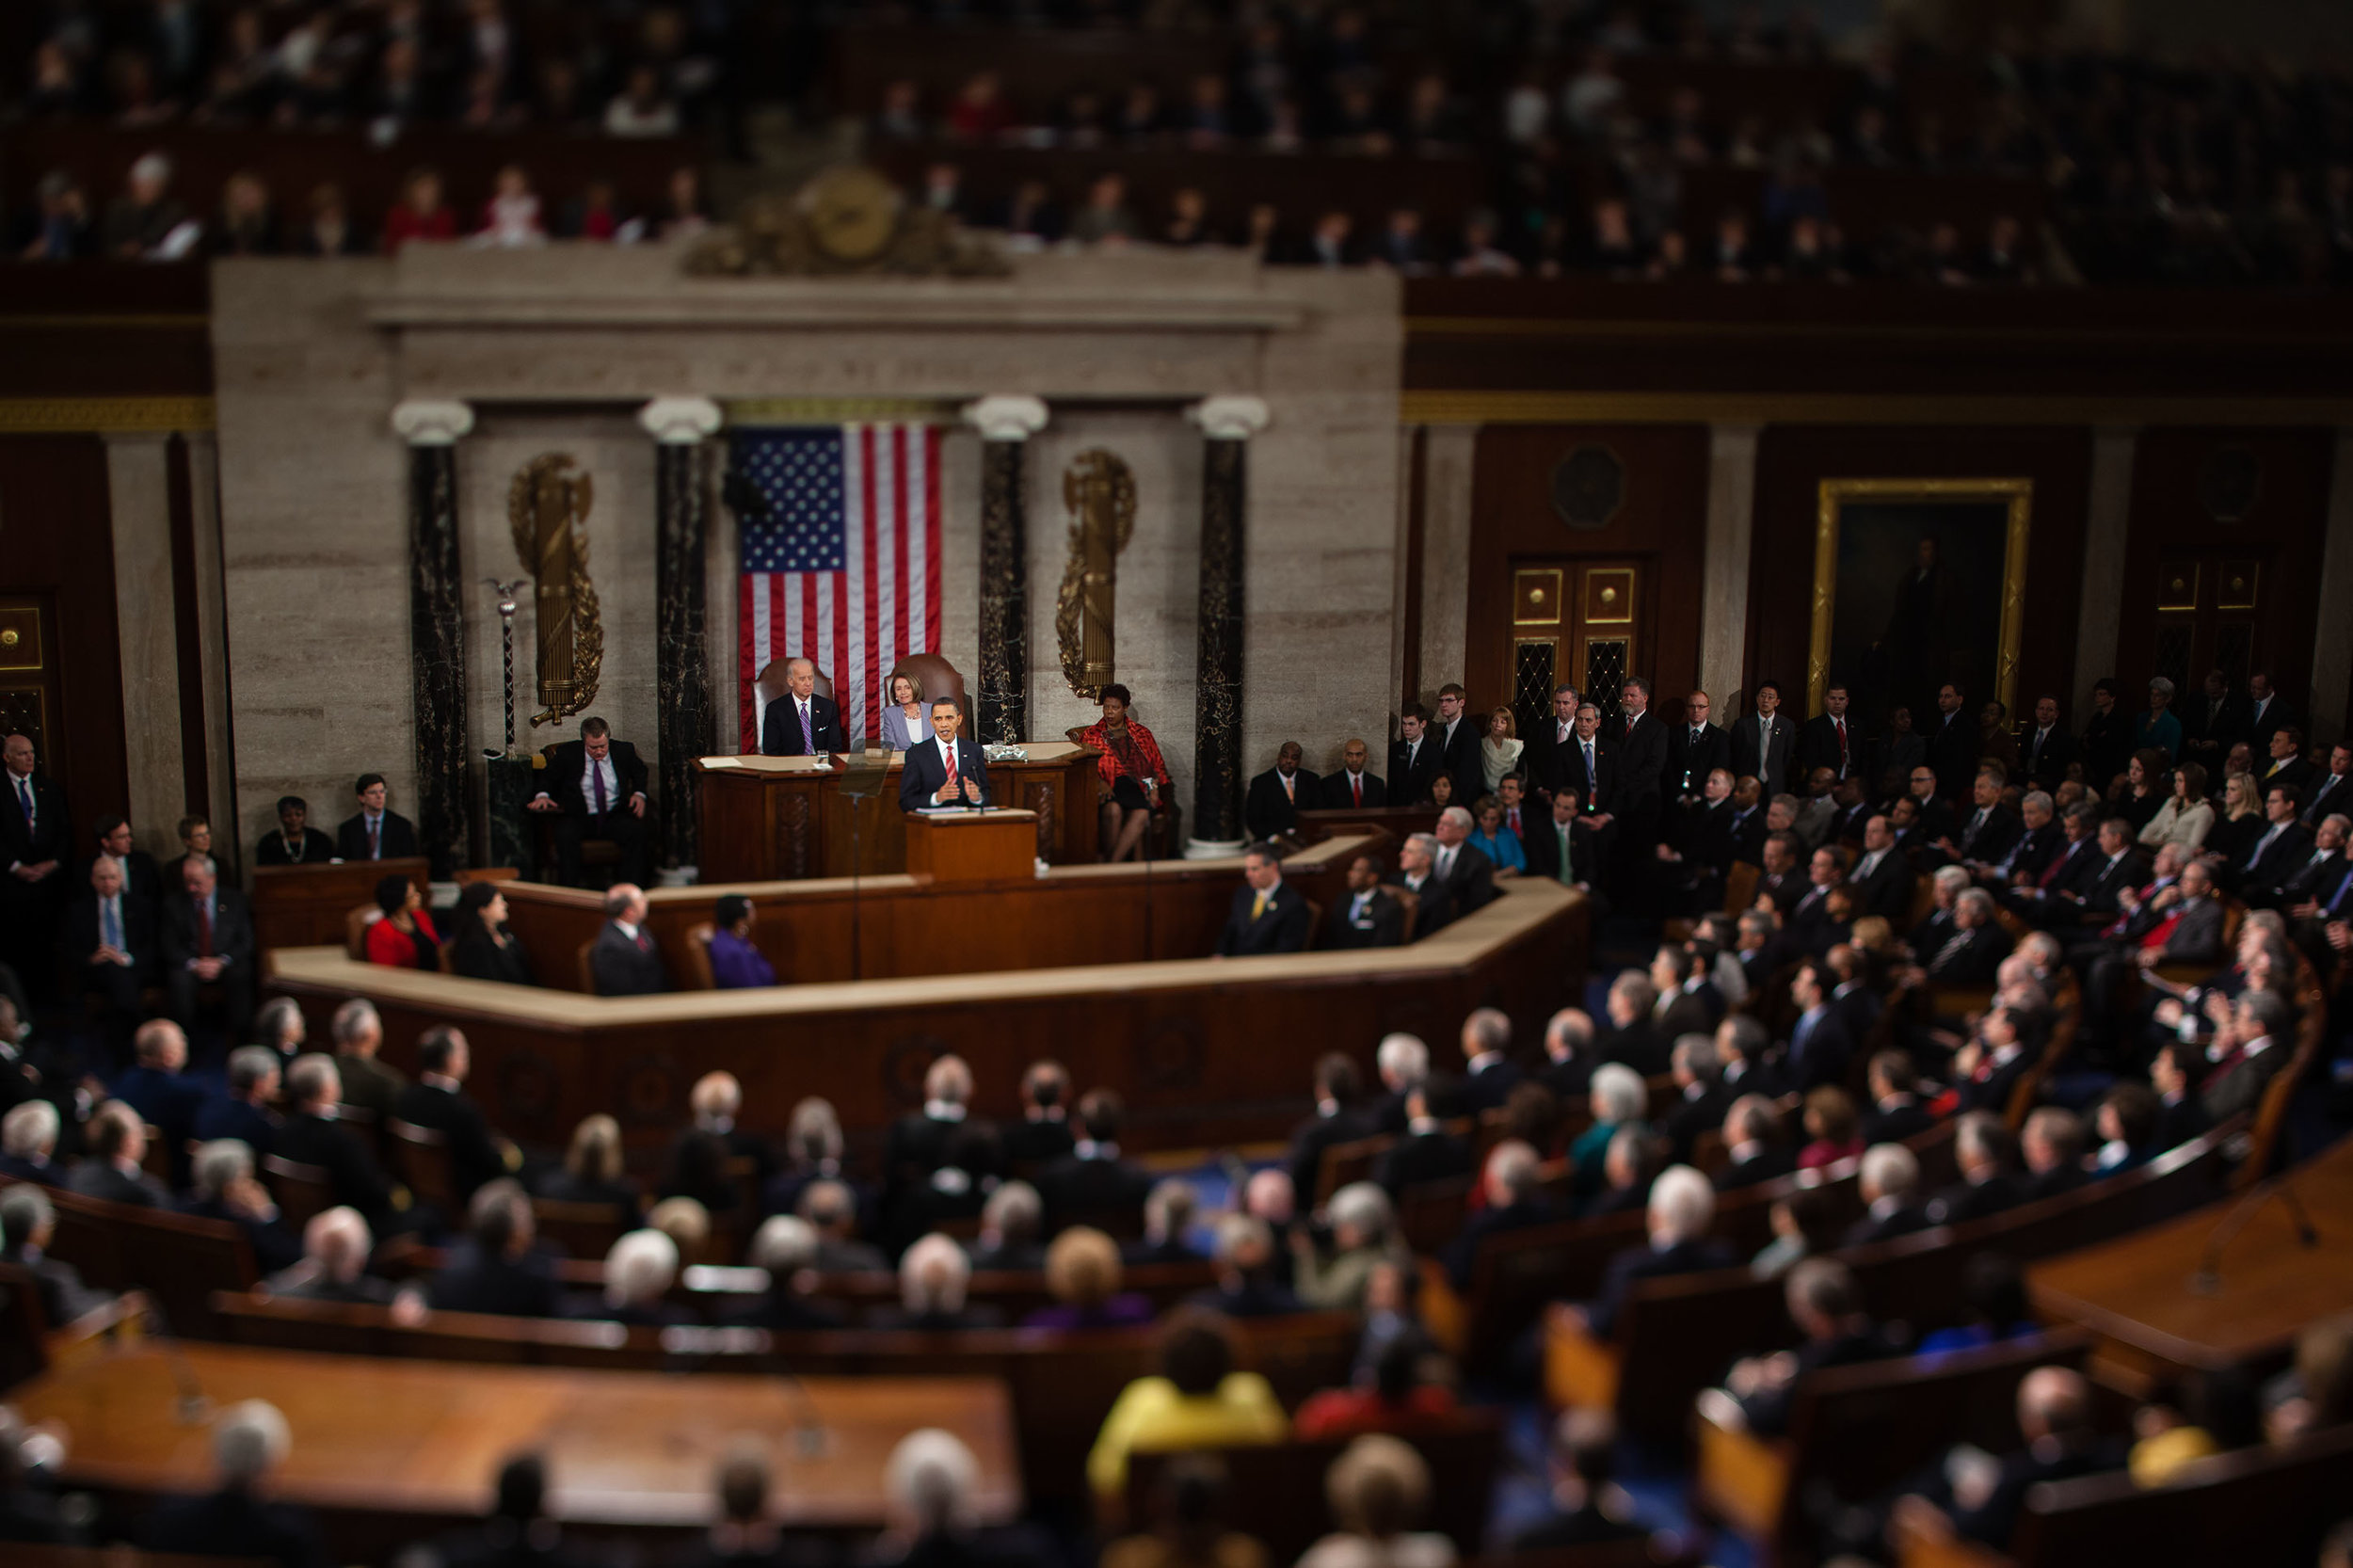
432,422
678,420
1229,419
1006,416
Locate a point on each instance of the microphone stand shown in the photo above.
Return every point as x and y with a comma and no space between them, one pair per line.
193,1404
2207,1281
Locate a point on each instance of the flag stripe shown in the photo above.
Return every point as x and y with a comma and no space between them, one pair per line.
931,539
850,681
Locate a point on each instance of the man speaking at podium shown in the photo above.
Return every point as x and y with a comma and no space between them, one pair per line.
948,772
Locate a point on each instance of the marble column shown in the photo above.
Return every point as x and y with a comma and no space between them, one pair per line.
1227,425
2332,643
147,621
1724,563
1005,423
437,630
681,669
2101,611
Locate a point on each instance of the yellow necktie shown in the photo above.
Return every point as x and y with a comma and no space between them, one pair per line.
1257,907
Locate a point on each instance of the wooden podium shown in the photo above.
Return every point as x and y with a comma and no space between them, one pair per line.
963,847
295,907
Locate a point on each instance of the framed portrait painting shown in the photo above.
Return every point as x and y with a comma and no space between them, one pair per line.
1918,582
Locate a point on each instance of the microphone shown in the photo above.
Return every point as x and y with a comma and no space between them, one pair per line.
2207,1281
193,1404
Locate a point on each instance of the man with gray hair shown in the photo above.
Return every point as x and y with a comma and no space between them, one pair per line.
1681,1207
639,1269
624,961
1489,1074
1463,867
1569,1054
368,1084
29,1139
1973,954
933,1278
1416,873
314,1134
27,1221
1403,1061
786,1247
1702,1098
221,1173
1247,1285
250,1440
1513,1186
1168,1211
243,1112
1012,1220
930,1480
335,1248
1890,1185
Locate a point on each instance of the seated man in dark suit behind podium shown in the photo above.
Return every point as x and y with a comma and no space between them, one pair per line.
375,833
599,785
1369,916
1268,916
801,723
950,770
623,962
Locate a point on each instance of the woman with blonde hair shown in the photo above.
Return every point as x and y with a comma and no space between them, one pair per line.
1378,1488
2240,821
1499,751
593,1170
1082,1275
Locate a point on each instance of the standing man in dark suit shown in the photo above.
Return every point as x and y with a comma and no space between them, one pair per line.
108,947
1414,759
1695,749
140,879
949,771
624,961
36,836
1352,788
1952,744
1369,917
1641,750
208,939
1545,756
438,1100
1763,743
1267,916
2214,723
375,833
1458,736
296,843
2266,714
1279,794
1591,768
1463,866
1827,741
801,723
598,784
2048,748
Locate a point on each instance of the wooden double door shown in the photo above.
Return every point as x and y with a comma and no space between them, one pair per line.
1574,621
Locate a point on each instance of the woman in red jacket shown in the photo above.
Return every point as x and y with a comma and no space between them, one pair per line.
405,937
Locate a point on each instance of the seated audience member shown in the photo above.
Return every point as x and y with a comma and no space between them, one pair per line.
2195,1418
439,1101
206,939
2260,1038
1335,1121
1495,840
1831,1128
1993,1290
831,1208
1587,1507
404,937
2125,1122
1092,1182
1276,796
786,1247
1894,1113
736,965
1988,1157
1823,1303
596,786
373,833
1168,1211
110,1171
1268,915
686,1223
1400,1398
952,1196
1013,1226
1082,1276
368,1084
1981,1503
1362,1223
1802,1227
1378,1488
1755,1150
29,1143
1426,1152
518,1532
1198,1401
2317,1391
223,1188
1632,1042
1618,1098
1403,1061
812,1152
932,1484
1631,1163
495,1267
295,844
1189,1524
934,1276
1515,1189
483,947
1681,1207
716,1100
624,961
1043,1133
244,1110
1416,873
918,1140
156,1086
1570,1056
1369,917
1246,1285
1889,1183
108,945
250,1440
1701,1097
314,1134
594,1170
744,1536
1488,1071
1532,1113
638,1273
2052,1145
335,1248
28,1222
1987,1069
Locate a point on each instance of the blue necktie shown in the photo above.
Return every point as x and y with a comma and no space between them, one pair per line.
110,925
2336,900
25,801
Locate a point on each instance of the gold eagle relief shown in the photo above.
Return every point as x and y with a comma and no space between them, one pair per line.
547,505
1101,494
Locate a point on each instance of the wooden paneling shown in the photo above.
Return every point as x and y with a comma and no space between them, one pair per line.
304,905
1790,465
1662,523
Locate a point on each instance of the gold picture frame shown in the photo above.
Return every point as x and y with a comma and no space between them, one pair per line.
1833,496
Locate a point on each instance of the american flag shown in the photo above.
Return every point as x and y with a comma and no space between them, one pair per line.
844,567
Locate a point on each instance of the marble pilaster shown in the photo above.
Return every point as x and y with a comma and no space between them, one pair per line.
1227,425
681,670
1005,424
437,648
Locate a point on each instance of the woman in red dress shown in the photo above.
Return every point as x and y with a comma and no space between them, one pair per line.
1132,772
405,937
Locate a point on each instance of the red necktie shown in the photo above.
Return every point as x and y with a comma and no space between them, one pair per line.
1841,724
951,764
1356,786
2156,939
375,841
1515,819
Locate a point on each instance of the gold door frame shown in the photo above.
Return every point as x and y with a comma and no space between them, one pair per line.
1835,493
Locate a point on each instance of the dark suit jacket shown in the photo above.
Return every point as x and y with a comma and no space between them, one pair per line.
2311,879
1641,764
2046,768
924,770
1420,1158
1340,795
1964,1201
1992,839
1887,891
1383,926
623,969
2034,849
474,1155
233,1523
1976,963
1268,812
1472,886
1488,1087
248,1123
1771,769
233,930
398,836
1543,843
2219,729
1896,1122
780,726
1599,791
1411,779
1282,929
317,850
1461,755
1826,1049
918,1146
1645,1262
1435,911
1076,1187
2240,1085
522,1287
1953,752
358,1181
79,938
1689,764
1316,1134
1817,747
567,770
1461,1255
51,837
2282,859
1683,1125
1773,1160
